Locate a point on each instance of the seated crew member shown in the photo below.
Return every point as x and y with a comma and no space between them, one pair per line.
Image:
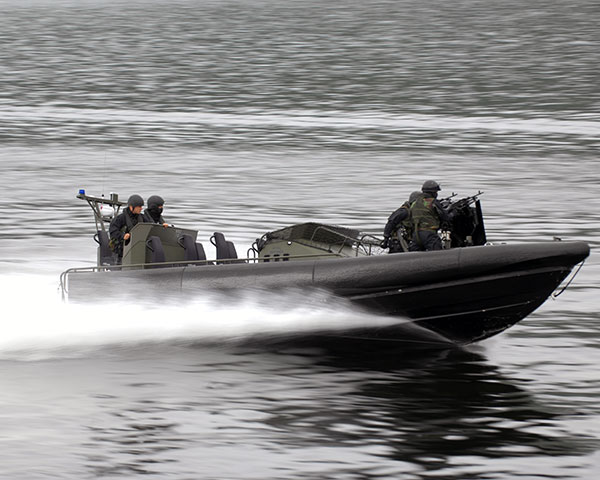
398,229
122,224
427,216
153,214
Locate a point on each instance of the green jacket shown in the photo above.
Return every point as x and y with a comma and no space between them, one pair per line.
426,214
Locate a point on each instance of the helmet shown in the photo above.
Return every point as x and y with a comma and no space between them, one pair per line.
413,196
430,186
135,201
155,201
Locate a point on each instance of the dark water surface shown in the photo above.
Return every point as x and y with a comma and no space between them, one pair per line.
250,115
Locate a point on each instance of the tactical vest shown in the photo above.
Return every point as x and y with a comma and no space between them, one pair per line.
423,214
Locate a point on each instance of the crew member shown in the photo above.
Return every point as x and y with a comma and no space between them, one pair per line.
122,224
398,229
427,215
153,214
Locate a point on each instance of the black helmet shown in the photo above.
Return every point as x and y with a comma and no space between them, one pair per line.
155,201
413,196
135,201
430,186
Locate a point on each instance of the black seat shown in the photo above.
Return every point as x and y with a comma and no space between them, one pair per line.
200,252
105,254
156,249
193,251
225,249
232,251
189,247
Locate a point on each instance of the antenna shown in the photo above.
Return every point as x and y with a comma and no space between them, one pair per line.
101,205
103,173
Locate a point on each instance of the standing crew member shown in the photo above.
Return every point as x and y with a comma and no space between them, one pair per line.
122,224
153,214
427,216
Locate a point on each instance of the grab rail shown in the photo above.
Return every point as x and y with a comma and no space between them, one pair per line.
359,242
178,263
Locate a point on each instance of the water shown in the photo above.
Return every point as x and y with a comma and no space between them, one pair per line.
250,115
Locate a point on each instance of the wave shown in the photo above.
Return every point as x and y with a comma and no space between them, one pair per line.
306,119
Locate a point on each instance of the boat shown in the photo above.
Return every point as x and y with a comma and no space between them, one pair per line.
465,293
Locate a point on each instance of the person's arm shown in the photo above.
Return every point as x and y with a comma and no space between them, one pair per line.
394,221
115,229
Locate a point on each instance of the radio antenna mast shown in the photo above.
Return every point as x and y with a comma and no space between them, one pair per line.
103,173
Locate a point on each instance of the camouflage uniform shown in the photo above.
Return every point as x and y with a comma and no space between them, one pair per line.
427,216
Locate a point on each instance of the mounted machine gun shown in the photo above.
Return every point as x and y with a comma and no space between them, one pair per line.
465,227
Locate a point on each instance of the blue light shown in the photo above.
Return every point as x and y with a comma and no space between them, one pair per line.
81,191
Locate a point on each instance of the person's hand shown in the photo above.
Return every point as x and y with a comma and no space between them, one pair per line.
165,225
127,236
385,243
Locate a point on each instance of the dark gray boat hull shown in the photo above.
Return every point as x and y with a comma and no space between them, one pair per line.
462,294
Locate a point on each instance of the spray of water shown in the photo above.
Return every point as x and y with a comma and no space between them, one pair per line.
38,324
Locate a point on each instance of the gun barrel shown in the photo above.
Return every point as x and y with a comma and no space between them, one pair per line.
464,202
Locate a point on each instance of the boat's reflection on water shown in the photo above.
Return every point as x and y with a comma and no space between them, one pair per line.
414,409
433,405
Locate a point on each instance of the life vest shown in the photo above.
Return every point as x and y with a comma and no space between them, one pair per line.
424,215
